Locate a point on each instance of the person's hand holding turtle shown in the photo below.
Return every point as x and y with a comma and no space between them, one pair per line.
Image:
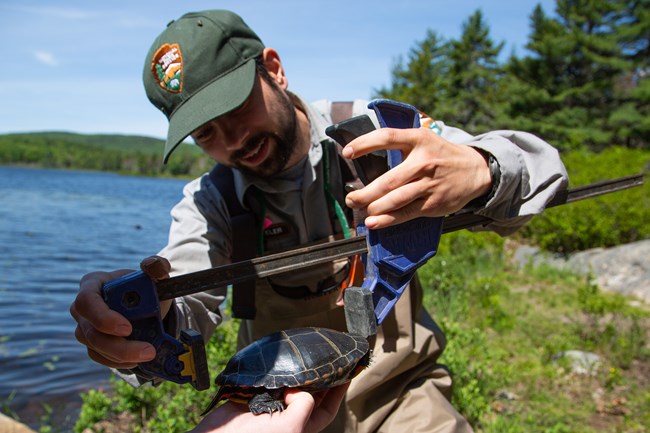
304,413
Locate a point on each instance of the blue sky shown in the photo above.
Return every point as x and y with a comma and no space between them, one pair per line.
76,65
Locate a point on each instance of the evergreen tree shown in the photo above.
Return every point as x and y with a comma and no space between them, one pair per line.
473,96
566,90
633,29
423,81
630,119
455,81
584,83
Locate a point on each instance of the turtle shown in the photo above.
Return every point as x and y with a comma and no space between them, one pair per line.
310,359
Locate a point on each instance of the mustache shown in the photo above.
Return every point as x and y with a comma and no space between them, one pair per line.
251,144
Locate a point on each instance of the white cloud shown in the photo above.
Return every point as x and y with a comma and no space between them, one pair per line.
46,58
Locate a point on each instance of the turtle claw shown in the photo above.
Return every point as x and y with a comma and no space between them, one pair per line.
267,402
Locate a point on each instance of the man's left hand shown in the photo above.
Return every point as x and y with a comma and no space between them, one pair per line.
435,178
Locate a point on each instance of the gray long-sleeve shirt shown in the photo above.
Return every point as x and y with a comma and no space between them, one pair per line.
200,233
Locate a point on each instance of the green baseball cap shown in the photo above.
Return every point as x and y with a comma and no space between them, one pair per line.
200,67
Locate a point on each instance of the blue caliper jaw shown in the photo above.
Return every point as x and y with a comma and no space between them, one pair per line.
394,253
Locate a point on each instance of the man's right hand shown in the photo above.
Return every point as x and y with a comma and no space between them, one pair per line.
104,331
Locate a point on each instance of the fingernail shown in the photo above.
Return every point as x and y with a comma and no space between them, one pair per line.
350,203
347,152
371,222
148,353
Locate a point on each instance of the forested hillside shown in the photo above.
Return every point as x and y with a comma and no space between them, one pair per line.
120,153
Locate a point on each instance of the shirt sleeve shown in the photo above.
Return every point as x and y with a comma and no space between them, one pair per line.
198,239
531,173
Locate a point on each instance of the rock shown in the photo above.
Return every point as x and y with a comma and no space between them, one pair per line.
504,394
623,269
583,363
525,255
9,425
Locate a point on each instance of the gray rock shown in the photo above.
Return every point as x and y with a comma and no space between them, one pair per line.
623,269
504,394
584,363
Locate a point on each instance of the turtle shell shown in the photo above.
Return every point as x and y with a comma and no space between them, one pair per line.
306,358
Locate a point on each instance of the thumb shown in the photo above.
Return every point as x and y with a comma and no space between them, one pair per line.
300,405
156,267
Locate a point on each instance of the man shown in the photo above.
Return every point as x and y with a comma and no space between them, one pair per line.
214,80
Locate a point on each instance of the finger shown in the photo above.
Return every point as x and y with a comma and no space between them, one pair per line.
102,329
300,405
113,351
156,267
89,305
381,139
228,417
327,408
417,208
334,398
410,195
319,396
388,182
95,356
235,417
299,400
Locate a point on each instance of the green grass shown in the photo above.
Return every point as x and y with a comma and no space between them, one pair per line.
505,327
505,330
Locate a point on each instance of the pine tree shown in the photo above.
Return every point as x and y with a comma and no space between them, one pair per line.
473,100
630,119
633,29
566,90
423,80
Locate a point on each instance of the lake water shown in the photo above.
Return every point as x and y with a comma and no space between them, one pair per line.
55,226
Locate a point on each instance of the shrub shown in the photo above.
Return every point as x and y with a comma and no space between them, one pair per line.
613,219
166,408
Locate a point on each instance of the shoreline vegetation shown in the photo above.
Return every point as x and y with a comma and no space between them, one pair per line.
124,154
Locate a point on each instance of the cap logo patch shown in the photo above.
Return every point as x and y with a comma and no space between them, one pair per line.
167,67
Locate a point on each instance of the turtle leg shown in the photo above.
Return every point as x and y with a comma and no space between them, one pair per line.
269,401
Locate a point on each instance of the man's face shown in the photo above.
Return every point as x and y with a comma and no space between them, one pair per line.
259,137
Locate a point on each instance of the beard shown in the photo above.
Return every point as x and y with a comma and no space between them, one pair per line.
284,139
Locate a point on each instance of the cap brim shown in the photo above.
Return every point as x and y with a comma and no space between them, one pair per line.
223,95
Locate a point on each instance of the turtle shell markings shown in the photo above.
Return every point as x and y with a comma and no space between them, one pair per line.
309,359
